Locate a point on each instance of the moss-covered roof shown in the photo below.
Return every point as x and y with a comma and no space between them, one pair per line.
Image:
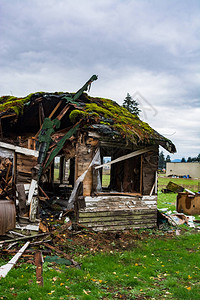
104,112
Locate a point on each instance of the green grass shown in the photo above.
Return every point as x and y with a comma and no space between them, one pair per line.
56,174
167,200
105,180
186,183
157,268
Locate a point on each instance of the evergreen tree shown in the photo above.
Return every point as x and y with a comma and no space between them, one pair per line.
131,105
161,160
183,159
189,159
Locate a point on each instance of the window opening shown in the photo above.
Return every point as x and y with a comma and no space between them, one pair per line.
106,172
56,168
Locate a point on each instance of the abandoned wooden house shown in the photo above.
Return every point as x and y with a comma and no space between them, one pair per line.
57,145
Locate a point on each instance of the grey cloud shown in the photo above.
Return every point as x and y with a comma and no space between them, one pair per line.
149,46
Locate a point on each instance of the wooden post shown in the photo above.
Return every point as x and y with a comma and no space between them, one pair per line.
39,267
61,169
141,175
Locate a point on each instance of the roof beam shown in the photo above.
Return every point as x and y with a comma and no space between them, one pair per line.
127,156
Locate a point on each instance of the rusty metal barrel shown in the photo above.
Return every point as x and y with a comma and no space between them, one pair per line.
7,216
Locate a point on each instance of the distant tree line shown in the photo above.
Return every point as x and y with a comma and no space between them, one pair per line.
162,160
191,159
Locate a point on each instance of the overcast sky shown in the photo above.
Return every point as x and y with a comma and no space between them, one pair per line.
149,49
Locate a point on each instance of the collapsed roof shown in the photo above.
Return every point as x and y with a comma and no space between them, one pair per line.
25,115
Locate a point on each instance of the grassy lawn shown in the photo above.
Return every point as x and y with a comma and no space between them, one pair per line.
191,184
156,265
156,268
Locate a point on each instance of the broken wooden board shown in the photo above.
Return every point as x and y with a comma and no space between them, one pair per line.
173,187
33,209
119,212
7,267
33,187
39,267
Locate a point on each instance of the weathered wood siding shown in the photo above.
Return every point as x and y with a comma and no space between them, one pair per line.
150,167
119,212
24,165
84,156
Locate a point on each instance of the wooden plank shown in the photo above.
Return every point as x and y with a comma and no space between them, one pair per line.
21,170
112,208
110,213
117,194
7,146
39,267
6,268
33,186
7,116
118,222
122,227
26,157
43,192
118,213
127,156
25,164
55,109
63,112
50,116
156,183
153,187
118,218
27,151
33,209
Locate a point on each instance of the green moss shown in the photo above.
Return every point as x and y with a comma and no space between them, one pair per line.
104,123
77,114
129,125
94,115
16,104
93,107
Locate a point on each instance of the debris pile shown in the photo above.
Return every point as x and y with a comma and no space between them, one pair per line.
52,239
